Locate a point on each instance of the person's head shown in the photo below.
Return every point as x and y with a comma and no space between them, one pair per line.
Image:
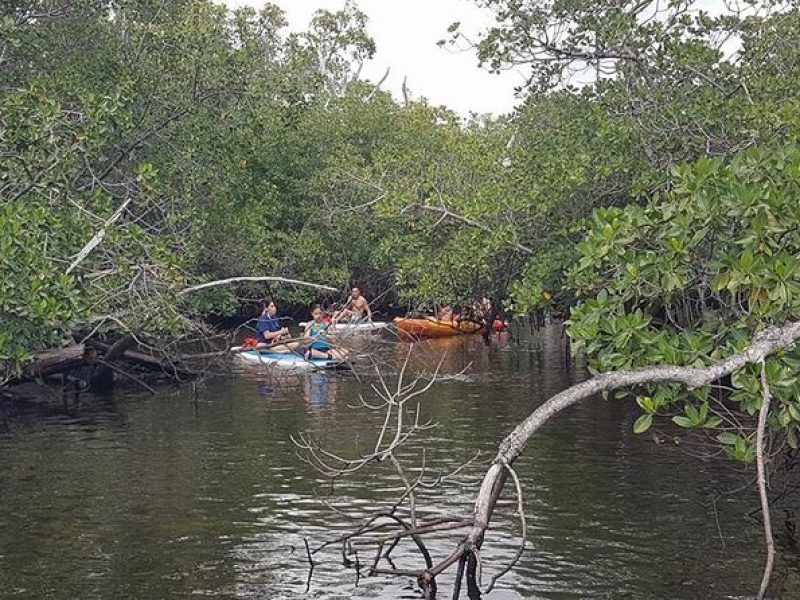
316,313
269,307
355,293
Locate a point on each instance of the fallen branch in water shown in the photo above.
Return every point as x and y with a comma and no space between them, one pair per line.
49,363
466,555
765,343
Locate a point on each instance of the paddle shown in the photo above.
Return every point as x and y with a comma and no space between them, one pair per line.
236,349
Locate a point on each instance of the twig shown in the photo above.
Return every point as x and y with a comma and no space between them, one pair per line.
310,565
523,534
763,413
98,237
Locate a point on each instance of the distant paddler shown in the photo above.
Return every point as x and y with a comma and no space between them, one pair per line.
356,308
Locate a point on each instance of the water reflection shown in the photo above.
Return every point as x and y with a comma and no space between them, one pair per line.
142,497
320,389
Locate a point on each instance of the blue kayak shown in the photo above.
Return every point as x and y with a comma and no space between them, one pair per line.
289,360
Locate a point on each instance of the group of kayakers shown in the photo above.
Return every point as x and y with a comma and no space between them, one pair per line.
477,312
315,341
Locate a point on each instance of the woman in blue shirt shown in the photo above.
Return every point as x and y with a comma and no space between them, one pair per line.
269,332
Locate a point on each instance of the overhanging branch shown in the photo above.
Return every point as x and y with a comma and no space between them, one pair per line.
765,343
230,280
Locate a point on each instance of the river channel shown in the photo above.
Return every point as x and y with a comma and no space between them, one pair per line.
199,492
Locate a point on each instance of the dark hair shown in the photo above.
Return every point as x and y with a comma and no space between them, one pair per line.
316,307
267,301
355,287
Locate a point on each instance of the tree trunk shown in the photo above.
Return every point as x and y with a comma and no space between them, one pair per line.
57,361
52,362
175,370
103,376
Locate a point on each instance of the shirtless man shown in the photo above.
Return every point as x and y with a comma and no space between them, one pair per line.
356,307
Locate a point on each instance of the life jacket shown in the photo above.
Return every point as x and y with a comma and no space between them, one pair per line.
499,325
319,330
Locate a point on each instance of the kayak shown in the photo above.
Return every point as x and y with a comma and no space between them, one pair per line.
362,327
431,327
285,360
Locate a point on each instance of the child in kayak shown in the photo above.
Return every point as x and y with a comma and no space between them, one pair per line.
317,332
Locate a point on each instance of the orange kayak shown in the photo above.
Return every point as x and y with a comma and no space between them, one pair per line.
431,327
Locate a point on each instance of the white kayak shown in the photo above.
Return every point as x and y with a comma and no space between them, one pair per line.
285,360
358,327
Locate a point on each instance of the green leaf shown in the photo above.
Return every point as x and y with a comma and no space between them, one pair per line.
727,438
682,421
643,423
791,437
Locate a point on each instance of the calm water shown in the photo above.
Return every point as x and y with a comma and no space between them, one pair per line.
178,496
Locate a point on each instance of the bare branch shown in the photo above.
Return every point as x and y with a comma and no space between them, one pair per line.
767,342
523,534
448,214
378,85
221,282
763,413
98,237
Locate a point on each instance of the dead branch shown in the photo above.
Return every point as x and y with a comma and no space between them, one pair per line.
230,280
448,214
49,363
763,413
399,425
467,554
395,431
378,86
765,343
98,237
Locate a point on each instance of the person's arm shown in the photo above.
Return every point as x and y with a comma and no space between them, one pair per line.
275,335
369,310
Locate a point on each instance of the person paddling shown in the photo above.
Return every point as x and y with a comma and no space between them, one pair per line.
317,331
356,308
269,332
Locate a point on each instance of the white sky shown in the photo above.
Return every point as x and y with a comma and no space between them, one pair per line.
405,33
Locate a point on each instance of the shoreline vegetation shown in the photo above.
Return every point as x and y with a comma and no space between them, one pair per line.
647,187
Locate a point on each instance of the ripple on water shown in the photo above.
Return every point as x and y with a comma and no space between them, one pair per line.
140,497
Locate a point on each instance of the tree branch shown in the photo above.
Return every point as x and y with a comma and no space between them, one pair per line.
98,237
765,343
763,413
447,214
221,282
